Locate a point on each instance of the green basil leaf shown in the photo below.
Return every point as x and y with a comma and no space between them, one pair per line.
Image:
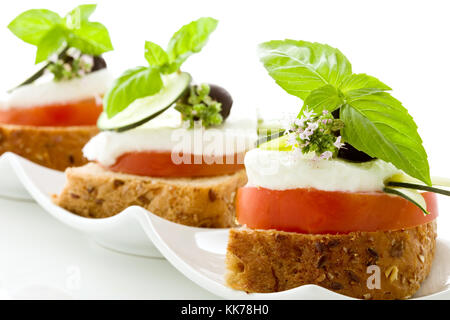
32,25
325,98
79,15
190,39
300,67
91,38
380,126
357,85
155,55
51,43
131,85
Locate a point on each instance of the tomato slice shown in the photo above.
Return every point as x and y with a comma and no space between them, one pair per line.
160,164
80,113
323,212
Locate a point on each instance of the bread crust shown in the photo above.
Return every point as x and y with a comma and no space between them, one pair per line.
53,147
271,261
94,192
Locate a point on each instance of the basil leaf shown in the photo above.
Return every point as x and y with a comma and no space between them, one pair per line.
91,38
155,55
32,25
353,86
50,43
300,67
80,14
357,85
189,39
325,98
380,126
131,85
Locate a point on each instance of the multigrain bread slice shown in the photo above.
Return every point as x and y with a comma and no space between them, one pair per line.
272,261
53,147
92,191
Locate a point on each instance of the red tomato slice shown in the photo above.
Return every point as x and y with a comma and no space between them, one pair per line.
79,113
160,164
323,212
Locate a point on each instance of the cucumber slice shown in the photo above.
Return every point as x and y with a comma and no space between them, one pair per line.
147,108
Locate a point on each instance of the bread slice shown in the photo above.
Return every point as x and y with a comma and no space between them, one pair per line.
92,191
53,147
271,261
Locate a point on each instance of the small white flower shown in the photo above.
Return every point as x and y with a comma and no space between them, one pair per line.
338,144
325,112
87,62
67,67
326,155
308,114
300,122
306,134
312,126
74,53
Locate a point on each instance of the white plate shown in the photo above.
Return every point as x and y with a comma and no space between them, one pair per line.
121,232
200,255
197,253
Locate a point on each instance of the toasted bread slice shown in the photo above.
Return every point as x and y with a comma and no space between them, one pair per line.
271,261
92,191
53,147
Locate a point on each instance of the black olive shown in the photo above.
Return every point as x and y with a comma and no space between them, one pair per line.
223,96
99,63
348,152
335,113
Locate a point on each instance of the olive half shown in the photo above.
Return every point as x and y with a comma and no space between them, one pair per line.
221,95
349,152
99,63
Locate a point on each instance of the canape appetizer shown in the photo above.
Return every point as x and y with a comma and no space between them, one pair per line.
334,201
50,116
166,145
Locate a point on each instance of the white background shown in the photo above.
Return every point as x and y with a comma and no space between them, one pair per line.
406,44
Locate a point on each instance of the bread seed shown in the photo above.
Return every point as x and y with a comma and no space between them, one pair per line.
321,262
367,296
373,253
75,196
320,246
333,243
397,249
336,286
352,276
117,183
212,195
321,278
392,273
143,199
421,258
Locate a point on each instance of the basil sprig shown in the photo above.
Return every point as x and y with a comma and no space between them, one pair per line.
50,32
145,81
375,122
